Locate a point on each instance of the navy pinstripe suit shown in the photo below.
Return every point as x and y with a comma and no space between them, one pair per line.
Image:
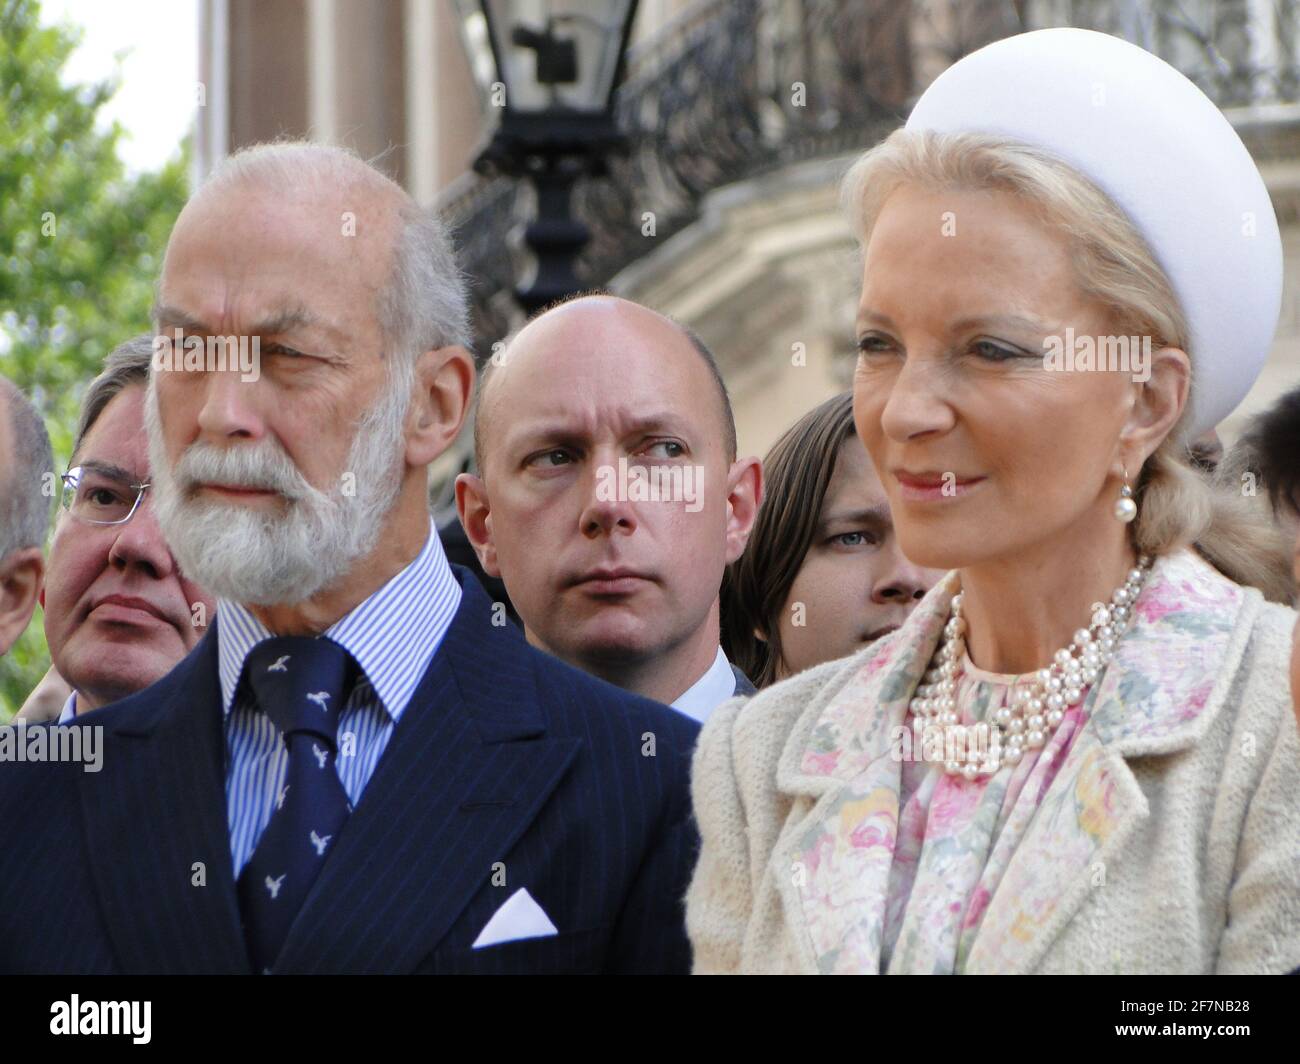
509,769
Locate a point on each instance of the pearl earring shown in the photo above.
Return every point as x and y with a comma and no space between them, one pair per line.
1125,508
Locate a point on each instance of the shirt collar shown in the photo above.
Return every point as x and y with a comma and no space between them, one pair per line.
709,691
69,713
392,634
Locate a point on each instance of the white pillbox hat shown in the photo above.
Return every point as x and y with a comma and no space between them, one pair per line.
1158,146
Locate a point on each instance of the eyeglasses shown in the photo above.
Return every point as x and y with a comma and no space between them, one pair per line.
99,497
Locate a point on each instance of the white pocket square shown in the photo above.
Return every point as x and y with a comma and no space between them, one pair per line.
520,917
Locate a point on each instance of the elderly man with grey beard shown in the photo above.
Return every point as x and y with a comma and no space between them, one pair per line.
362,765
27,465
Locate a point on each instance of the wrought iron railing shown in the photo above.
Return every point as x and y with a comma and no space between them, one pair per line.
733,88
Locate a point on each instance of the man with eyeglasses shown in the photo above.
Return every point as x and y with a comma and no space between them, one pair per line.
119,614
25,459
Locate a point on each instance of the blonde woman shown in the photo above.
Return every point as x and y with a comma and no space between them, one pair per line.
1077,754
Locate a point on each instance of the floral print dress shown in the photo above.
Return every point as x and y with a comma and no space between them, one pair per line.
956,836
990,874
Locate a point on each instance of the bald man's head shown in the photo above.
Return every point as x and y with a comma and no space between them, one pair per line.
609,497
646,332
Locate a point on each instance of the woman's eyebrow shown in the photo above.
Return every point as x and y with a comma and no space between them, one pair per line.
867,314
871,515
1015,321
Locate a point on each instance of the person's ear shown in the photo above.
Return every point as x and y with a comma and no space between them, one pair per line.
444,381
475,512
1158,403
744,494
22,575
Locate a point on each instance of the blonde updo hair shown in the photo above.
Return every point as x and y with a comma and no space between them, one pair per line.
1178,506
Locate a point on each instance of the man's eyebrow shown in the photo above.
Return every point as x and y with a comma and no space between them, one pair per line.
660,421
174,316
108,469
550,431
279,321
286,320
567,432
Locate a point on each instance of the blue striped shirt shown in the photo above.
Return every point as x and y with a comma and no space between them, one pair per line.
393,635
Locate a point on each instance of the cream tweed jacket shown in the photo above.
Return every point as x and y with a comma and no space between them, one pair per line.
1169,840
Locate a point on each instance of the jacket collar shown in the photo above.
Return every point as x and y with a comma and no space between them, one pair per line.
1159,695
467,771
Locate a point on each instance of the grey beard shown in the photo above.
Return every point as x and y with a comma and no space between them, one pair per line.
279,559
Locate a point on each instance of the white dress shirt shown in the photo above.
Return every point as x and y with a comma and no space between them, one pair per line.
709,691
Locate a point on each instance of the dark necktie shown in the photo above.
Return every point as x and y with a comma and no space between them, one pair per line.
302,684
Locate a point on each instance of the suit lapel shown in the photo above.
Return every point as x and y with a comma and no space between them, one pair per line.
466,771
156,828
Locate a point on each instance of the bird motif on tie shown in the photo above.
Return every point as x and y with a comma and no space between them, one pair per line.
302,684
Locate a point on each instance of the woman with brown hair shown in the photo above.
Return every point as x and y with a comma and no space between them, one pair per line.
822,575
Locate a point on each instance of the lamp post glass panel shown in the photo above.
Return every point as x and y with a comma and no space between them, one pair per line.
549,69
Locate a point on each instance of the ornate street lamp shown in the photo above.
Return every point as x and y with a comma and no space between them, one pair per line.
550,67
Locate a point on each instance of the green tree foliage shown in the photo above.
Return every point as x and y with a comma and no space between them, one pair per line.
80,245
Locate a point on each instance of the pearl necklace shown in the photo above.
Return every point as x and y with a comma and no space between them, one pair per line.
1035,711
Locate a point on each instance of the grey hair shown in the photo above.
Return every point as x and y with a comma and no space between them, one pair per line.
25,504
127,364
424,304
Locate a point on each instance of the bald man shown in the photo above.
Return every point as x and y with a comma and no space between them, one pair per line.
357,769
26,465
609,497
